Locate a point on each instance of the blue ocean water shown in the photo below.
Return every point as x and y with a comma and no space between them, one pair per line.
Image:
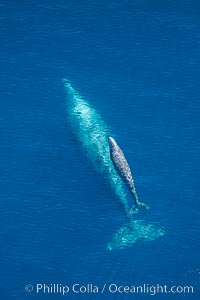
137,65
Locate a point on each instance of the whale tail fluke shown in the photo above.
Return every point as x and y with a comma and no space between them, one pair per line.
142,205
136,207
133,231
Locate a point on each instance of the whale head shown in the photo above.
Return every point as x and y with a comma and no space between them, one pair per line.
112,142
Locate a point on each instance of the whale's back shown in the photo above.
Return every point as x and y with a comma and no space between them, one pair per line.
121,165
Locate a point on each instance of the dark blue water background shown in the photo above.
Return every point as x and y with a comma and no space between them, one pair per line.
138,63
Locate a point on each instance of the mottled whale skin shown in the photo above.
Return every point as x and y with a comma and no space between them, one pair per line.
122,167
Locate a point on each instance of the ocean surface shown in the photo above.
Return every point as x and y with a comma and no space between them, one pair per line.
132,70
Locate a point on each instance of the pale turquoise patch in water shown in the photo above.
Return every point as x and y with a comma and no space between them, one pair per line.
93,134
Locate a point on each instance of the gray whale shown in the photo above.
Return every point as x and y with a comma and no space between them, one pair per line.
122,167
92,134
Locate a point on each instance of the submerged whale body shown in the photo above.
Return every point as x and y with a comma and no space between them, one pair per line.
122,167
93,133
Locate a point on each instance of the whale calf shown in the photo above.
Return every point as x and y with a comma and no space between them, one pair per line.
122,167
